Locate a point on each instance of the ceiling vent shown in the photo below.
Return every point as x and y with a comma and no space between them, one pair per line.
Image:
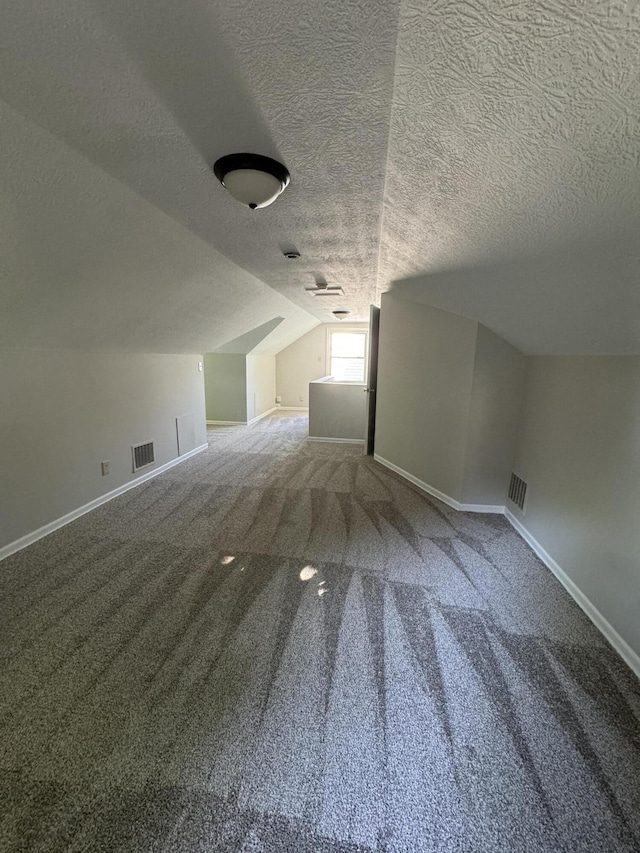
517,491
143,455
324,289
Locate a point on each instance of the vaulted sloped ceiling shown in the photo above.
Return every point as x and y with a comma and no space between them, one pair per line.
87,264
472,154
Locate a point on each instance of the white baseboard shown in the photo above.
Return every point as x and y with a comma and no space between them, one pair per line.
336,440
619,644
259,417
436,493
292,408
631,658
41,532
242,423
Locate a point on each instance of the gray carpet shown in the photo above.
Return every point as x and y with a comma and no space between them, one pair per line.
282,646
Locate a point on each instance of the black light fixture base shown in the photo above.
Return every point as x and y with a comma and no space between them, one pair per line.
258,162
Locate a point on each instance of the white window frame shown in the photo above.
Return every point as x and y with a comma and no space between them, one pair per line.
361,330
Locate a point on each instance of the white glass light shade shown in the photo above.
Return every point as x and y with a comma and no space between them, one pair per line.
252,179
253,187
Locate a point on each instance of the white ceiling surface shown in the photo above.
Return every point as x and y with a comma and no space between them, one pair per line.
424,137
255,341
515,136
87,264
154,92
584,300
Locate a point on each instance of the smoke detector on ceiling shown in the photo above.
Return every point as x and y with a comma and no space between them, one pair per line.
340,315
252,179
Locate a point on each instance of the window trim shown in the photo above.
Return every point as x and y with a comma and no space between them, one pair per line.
362,330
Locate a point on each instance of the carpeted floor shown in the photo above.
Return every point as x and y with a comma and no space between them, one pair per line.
281,646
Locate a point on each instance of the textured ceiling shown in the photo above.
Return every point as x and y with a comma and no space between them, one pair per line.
584,299
87,264
515,129
440,141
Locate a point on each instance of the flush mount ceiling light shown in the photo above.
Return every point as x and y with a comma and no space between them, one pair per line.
252,179
340,315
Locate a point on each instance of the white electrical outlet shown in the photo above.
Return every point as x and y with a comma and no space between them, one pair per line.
278,399
199,367
301,398
105,468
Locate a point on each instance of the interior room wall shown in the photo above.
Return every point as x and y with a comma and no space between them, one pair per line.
303,362
63,413
225,381
449,398
337,411
578,449
425,377
496,401
261,384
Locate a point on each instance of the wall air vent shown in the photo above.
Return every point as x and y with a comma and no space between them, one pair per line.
143,455
517,491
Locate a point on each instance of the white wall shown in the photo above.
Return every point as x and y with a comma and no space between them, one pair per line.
63,413
425,376
579,451
496,401
303,361
261,384
337,410
239,387
449,397
225,377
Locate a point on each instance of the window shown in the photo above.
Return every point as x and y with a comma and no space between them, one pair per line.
347,355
